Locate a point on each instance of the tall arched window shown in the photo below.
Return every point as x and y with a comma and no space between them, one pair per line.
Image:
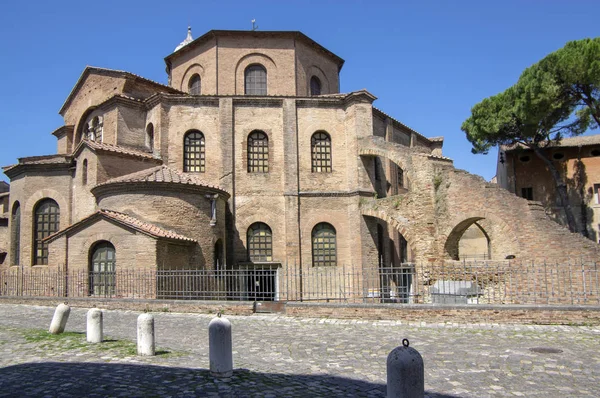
320,146
15,237
193,152
150,137
218,255
47,222
260,242
102,269
84,172
255,80
324,245
258,152
194,85
315,86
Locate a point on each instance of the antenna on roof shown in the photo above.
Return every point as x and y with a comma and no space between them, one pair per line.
254,27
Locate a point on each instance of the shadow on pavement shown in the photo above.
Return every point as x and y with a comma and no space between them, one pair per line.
59,379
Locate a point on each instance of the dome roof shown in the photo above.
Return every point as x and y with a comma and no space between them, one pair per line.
187,40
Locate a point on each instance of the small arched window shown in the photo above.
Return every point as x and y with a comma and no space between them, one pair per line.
94,129
260,242
315,86
255,80
324,251
15,238
194,85
47,222
193,152
150,137
258,152
102,269
320,145
84,172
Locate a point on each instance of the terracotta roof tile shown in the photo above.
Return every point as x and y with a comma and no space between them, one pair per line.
116,149
124,219
161,174
150,229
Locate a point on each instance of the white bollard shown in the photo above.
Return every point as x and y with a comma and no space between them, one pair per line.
94,326
60,318
145,335
405,373
220,347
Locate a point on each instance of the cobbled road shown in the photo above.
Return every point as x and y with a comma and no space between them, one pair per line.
279,356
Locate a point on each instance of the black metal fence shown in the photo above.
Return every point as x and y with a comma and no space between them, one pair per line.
476,282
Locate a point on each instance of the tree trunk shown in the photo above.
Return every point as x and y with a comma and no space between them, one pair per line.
561,189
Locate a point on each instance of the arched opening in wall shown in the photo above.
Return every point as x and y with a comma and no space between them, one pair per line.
193,152
93,129
150,137
324,245
82,127
255,80
46,223
84,172
258,152
15,234
194,85
468,241
320,148
218,255
315,86
259,240
387,177
102,269
395,274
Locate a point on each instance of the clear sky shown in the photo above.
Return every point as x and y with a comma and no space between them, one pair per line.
428,62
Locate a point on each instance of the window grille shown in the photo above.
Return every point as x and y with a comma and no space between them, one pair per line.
321,152
194,152
315,86
47,219
258,152
194,85
255,80
260,242
324,245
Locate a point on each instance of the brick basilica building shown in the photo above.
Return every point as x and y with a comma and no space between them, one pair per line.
251,155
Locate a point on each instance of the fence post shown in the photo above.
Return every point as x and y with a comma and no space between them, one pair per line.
220,347
60,318
405,373
94,326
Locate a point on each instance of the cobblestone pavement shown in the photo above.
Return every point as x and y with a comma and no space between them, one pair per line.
278,356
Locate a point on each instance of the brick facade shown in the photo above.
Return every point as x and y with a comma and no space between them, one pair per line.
389,195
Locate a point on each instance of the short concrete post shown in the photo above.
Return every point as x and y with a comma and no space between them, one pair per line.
60,318
145,335
220,347
94,326
405,373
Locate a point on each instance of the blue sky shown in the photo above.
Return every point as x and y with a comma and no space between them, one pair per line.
428,62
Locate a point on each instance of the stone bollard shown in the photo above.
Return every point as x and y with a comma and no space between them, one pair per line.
220,347
145,335
405,373
60,318
94,326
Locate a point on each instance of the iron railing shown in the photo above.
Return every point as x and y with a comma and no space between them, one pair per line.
475,282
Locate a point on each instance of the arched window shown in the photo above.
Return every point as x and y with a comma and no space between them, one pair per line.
94,129
193,152
260,242
47,222
84,172
102,269
320,146
258,152
323,245
255,80
315,86
194,85
218,255
16,234
150,137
